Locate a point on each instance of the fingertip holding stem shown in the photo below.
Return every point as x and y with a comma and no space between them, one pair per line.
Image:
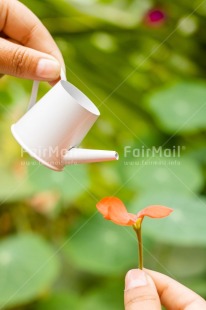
135,278
140,291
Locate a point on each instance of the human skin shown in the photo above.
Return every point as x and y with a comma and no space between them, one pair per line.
27,50
148,290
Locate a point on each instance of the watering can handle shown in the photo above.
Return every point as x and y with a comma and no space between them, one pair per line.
35,88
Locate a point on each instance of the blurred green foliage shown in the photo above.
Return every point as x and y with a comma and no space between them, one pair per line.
148,80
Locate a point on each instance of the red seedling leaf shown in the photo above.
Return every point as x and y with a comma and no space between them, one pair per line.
112,208
155,211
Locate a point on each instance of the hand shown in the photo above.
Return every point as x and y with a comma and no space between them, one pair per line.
147,290
27,48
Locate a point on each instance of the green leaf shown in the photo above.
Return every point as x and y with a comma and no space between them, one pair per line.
12,186
106,297
101,247
28,266
5,100
60,301
182,175
189,262
180,108
70,183
185,226
196,284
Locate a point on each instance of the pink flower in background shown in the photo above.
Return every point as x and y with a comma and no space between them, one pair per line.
155,17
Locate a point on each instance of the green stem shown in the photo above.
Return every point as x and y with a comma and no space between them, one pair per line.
137,228
140,248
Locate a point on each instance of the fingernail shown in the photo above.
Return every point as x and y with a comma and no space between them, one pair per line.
135,278
48,69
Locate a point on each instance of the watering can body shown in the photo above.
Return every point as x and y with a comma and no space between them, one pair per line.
51,130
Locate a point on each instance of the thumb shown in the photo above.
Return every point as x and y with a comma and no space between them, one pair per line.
140,291
28,63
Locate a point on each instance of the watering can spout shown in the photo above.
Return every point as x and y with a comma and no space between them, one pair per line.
81,156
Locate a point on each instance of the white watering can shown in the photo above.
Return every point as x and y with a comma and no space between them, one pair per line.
51,130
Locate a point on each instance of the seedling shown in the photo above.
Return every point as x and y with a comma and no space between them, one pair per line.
113,209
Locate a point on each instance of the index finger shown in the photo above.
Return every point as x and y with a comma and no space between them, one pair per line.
174,295
20,24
